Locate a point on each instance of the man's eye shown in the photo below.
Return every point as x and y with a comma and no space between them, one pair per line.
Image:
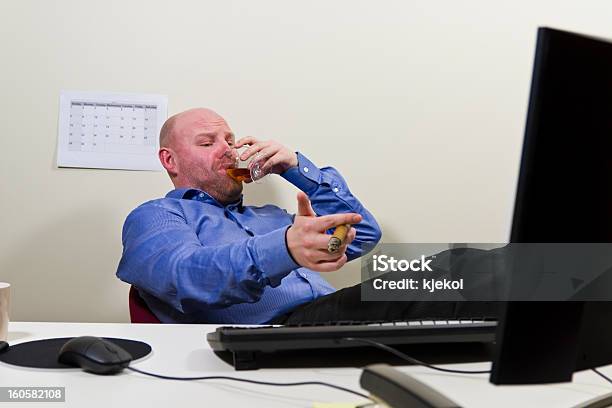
206,144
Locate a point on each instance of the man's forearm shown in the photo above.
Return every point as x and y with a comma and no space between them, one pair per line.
329,194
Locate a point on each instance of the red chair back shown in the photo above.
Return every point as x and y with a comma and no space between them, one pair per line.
139,311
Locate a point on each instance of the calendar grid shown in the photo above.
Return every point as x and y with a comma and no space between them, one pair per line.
110,130
112,127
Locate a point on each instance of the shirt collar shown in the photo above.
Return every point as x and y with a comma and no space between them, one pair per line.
199,195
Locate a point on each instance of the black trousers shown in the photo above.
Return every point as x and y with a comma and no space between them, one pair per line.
346,304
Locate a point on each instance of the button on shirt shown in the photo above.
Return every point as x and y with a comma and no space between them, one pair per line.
194,260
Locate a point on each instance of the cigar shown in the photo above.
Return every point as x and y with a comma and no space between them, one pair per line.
338,238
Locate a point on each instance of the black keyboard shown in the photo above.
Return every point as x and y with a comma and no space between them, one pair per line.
245,342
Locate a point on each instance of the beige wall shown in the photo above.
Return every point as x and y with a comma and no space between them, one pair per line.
420,104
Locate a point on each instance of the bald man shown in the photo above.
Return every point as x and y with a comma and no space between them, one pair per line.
199,255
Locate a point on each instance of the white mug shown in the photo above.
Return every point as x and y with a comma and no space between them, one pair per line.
5,301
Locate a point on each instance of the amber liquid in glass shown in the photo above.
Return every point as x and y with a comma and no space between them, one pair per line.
239,174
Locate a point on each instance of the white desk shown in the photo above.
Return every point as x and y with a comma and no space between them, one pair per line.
182,350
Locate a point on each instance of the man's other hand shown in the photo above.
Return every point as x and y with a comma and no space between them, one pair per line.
307,238
275,158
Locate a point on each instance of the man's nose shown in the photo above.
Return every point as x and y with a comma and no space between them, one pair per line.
228,151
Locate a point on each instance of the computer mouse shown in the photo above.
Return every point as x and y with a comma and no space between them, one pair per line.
94,354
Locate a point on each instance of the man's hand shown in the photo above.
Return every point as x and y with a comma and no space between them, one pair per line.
275,158
307,240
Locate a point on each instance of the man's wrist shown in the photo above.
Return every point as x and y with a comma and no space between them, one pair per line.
304,176
272,256
287,245
294,162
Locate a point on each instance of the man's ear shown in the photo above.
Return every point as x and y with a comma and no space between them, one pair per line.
168,160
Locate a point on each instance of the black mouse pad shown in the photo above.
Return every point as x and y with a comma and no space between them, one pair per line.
43,353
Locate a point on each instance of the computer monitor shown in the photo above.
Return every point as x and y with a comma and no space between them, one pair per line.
564,195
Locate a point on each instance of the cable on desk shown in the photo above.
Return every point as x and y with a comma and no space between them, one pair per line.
222,377
608,379
411,359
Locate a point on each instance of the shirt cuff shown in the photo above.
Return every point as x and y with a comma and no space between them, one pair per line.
273,257
306,176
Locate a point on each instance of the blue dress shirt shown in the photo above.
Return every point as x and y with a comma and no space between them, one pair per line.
197,261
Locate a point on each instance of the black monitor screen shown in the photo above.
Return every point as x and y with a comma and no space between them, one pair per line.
564,195
565,184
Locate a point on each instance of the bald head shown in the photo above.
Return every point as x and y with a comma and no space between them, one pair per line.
196,149
176,124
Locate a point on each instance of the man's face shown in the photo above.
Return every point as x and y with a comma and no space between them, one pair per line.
203,146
